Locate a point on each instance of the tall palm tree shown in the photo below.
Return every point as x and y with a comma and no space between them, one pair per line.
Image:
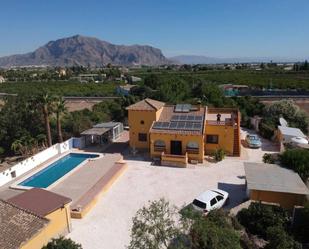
45,103
59,108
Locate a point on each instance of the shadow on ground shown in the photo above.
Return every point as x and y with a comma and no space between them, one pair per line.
237,193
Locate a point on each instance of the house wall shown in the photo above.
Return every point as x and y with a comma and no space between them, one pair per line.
135,118
286,200
226,138
34,161
167,138
60,224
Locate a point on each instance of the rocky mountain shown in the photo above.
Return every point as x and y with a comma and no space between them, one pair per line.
84,51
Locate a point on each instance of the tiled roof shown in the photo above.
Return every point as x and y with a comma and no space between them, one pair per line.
18,225
166,115
39,201
146,105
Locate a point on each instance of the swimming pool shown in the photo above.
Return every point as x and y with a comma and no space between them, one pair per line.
56,170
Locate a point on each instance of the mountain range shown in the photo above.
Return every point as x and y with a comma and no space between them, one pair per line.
86,51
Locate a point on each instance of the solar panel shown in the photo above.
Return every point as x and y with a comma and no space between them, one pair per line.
198,117
189,125
190,118
178,108
183,118
165,125
173,125
186,107
157,125
197,126
180,125
175,118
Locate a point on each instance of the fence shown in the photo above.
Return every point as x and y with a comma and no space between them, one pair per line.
35,160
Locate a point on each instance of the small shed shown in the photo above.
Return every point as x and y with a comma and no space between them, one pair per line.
272,183
285,134
102,133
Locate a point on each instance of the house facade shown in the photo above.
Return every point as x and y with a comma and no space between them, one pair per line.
178,134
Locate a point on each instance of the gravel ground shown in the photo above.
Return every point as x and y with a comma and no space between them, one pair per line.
108,224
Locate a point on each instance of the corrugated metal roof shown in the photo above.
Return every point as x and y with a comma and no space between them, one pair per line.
106,125
272,177
291,131
95,131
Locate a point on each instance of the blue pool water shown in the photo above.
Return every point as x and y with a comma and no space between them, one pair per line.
56,170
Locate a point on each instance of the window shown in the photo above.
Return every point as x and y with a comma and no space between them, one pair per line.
142,122
192,147
142,137
159,145
219,198
199,204
213,202
212,139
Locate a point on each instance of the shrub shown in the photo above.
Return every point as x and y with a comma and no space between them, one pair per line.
301,226
269,158
219,154
267,128
1,151
297,160
258,217
62,243
279,239
214,232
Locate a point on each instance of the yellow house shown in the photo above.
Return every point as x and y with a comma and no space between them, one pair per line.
29,220
178,134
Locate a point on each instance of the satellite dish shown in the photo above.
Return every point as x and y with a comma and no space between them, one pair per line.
283,122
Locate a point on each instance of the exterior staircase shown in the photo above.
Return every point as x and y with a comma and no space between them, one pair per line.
236,147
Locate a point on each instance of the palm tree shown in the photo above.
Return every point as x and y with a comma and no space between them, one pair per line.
60,109
16,146
45,102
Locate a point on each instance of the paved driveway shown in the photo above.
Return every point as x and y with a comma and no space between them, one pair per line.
108,224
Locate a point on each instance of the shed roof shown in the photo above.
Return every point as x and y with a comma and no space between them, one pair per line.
271,177
291,131
39,201
107,125
146,105
17,225
95,131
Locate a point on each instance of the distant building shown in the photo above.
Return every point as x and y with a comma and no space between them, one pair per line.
274,184
124,89
135,79
62,72
2,79
233,90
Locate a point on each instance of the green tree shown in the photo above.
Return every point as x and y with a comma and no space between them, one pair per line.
154,226
62,243
297,160
59,109
153,81
279,239
45,101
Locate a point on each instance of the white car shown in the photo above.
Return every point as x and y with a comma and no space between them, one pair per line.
210,199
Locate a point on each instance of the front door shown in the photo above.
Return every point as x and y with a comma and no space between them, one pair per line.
176,148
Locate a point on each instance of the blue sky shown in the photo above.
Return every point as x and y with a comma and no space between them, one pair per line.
217,28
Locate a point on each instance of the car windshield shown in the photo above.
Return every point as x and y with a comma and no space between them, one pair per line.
217,192
253,138
199,204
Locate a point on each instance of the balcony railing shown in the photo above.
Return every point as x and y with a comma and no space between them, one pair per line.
174,160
